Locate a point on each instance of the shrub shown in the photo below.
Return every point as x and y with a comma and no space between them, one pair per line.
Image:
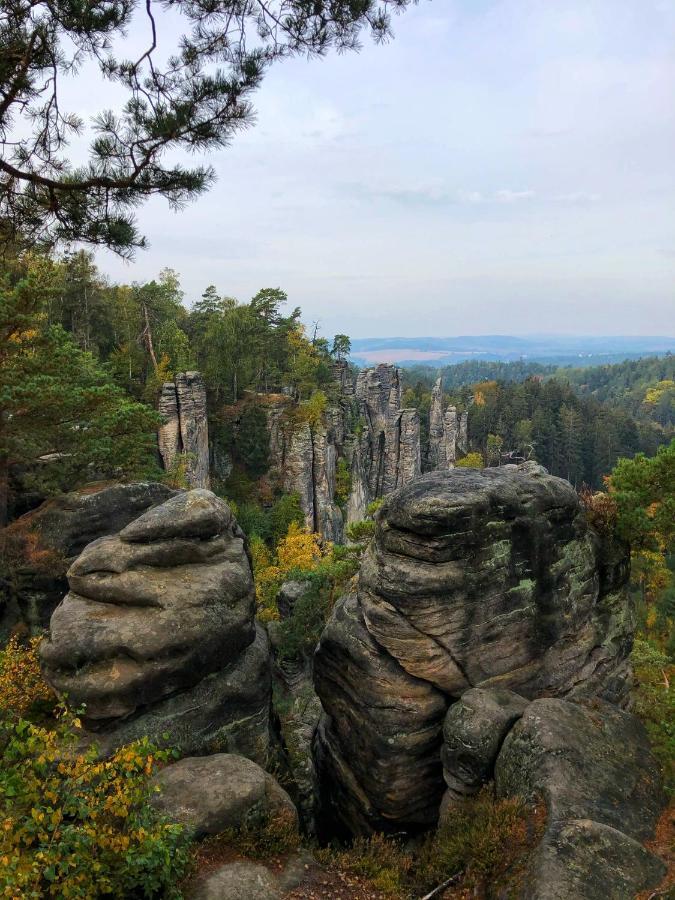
601,510
285,512
654,703
343,482
23,691
77,826
485,843
276,836
473,460
361,532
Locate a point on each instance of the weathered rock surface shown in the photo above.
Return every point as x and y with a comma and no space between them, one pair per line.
475,578
390,445
50,537
157,633
473,731
208,794
236,881
303,460
592,765
443,431
588,761
583,860
182,405
366,427
244,880
378,748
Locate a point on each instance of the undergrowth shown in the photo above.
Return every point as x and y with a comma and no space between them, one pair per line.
484,843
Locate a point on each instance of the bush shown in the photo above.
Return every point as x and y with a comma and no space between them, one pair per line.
472,460
23,691
76,826
485,843
72,825
654,703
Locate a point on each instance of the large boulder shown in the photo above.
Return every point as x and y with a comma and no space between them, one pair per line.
475,578
209,794
592,765
157,633
473,732
44,542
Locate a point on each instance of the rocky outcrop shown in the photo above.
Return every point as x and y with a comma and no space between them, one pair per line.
473,732
303,460
448,434
592,765
365,426
390,440
43,543
475,578
157,637
209,794
185,430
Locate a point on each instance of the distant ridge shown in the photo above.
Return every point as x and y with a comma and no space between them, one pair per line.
548,348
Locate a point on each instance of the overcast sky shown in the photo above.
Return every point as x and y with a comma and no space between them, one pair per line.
501,166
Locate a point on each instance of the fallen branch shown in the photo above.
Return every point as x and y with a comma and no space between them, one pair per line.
437,891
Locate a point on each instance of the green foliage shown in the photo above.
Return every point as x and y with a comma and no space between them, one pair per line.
188,94
285,512
644,492
361,531
300,632
654,703
342,346
343,482
74,825
484,843
253,442
63,419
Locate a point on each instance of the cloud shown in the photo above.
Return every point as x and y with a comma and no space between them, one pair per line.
508,196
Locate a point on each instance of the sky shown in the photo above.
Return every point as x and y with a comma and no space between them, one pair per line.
500,166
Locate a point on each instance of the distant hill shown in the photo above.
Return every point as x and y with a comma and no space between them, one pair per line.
553,349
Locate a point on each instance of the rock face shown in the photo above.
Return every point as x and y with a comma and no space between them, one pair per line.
208,794
448,432
475,578
592,765
157,633
302,461
182,404
366,427
390,445
50,537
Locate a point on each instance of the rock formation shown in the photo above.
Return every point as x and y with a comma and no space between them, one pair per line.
46,541
366,426
391,438
448,433
182,405
592,765
475,578
157,633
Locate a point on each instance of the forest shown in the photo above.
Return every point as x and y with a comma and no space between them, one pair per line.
82,364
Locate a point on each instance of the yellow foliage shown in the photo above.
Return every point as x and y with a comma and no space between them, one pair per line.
74,825
656,392
300,549
473,460
21,681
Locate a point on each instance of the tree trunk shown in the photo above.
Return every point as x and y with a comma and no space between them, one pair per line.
147,335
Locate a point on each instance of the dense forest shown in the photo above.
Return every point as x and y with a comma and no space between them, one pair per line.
576,422
80,349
